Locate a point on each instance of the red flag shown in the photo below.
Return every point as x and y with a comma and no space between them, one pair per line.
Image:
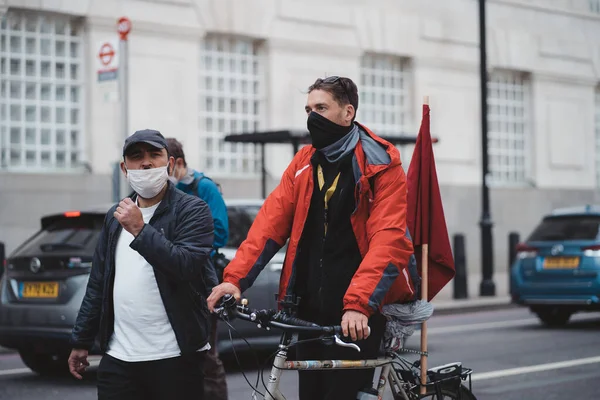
425,213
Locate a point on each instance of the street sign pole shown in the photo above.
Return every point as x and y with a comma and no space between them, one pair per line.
124,27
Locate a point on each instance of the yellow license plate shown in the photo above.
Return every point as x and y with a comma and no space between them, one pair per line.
39,290
561,262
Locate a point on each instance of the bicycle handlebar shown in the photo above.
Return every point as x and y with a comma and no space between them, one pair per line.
271,318
278,319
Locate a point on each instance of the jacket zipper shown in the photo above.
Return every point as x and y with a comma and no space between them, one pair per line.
325,214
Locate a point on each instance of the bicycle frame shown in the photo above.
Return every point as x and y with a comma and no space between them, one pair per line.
281,364
402,381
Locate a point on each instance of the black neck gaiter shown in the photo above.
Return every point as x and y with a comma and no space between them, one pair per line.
324,132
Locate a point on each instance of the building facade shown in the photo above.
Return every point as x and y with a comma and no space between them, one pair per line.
200,69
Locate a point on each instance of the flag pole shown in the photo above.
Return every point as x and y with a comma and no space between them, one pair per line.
424,297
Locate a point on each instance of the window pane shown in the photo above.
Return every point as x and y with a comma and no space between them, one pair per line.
74,71
45,114
15,113
74,50
45,136
74,139
15,67
15,157
46,25
61,93
60,48
45,47
74,95
61,26
46,158
31,23
60,137
60,115
46,91
60,70
30,68
15,90
15,44
73,29
45,69
30,114
60,158
29,136
15,135
30,46
74,116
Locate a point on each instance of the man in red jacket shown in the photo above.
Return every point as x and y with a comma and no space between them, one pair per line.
342,204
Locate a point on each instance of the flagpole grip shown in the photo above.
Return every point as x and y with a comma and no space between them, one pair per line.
424,297
426,100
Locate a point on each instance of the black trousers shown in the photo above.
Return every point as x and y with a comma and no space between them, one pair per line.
339,384
171,378
215,378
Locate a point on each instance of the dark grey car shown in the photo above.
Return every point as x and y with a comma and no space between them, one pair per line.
43,286
45,280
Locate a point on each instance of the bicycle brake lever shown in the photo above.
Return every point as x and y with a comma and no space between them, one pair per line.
341,343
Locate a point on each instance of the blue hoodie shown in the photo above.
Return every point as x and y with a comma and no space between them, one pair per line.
209,192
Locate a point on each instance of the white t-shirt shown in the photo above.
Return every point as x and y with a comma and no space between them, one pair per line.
142,331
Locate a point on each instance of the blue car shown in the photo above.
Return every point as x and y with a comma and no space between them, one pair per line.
556,272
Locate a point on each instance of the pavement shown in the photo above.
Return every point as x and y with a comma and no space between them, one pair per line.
445,303
513,357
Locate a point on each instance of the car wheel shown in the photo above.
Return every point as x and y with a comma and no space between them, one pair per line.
553,316
45,364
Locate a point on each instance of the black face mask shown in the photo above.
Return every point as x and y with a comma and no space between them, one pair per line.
323,132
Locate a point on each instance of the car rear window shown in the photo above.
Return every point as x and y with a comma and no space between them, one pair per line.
240,221
74,235
582,227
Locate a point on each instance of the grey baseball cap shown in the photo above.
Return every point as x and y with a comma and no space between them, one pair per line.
152,137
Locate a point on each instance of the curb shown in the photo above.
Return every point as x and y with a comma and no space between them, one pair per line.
473,305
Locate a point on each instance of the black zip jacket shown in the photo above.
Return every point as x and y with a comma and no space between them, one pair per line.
177,243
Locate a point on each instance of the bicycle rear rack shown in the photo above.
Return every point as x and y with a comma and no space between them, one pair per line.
449,376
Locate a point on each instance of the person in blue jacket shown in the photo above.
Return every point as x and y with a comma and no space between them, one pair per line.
197,184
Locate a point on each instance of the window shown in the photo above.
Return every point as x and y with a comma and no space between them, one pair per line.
570,227
231,101
41,84
508,126
384,98
598,135
241,219
595,6
60,235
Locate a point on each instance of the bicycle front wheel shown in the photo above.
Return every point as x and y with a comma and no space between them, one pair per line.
463,393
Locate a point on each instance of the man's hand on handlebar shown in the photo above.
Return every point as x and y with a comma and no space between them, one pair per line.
356,324
221,290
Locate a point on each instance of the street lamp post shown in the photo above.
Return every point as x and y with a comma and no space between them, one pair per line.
487,286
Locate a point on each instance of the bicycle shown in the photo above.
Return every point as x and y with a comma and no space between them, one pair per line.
401,376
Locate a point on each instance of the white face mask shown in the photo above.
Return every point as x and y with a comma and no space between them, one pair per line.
148,183
172,178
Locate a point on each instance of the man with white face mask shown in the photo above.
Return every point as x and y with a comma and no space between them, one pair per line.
144,300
